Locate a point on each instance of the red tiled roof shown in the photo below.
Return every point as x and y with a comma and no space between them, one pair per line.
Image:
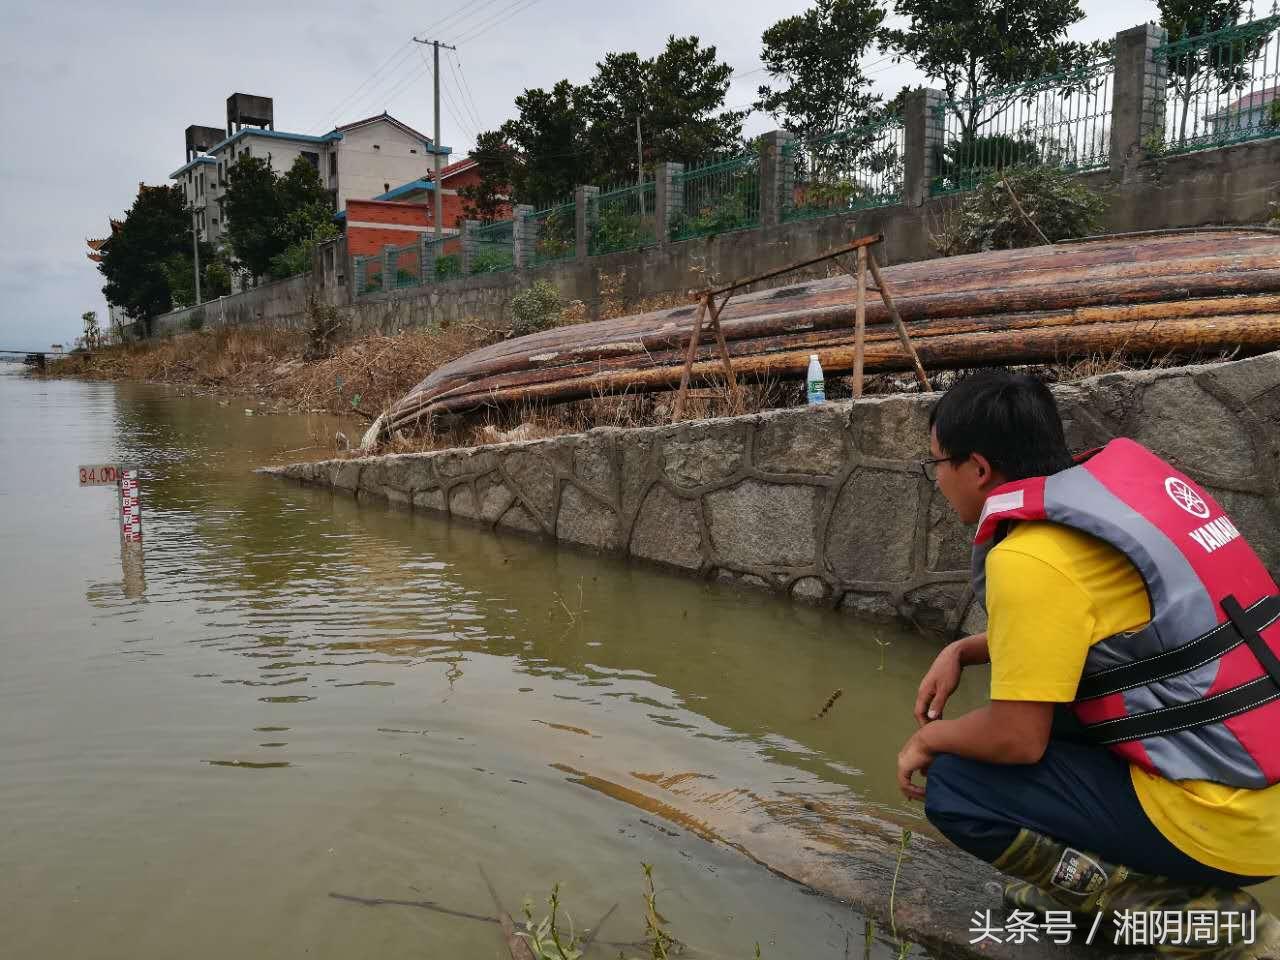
460,166
1258,99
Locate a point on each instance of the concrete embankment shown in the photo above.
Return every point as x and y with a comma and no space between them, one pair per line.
826,504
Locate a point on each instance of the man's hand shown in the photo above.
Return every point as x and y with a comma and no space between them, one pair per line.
915,756
944,676
938,684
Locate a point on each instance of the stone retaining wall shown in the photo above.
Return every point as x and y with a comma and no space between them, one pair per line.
826,503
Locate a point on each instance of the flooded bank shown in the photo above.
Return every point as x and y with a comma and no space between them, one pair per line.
299,695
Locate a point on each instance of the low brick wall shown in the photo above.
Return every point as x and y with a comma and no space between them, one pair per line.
826,503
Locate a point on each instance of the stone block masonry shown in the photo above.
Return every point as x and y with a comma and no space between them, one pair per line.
826,504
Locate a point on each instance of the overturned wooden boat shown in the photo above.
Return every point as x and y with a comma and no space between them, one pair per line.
1169,292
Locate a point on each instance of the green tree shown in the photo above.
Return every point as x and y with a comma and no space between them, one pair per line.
575,134
252,209
813,60
550,139
678,96
92,332
154,235
274,221
971,47
1193,68
307,219
495,162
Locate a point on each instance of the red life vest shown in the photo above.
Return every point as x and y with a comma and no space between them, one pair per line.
1195,694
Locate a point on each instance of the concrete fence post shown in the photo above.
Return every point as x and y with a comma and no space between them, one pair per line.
923,132
1137,97
583,201
668,200
426,259
468,245
388,267
777,177
524,235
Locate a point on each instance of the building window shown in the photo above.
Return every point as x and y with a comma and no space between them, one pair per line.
386,188
413,150
376,147
333,164
313,159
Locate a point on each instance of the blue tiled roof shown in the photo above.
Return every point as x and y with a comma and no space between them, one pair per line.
413,186
196,162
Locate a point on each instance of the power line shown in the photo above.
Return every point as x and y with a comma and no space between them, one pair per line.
504,14
379,96
470,107
450,106
408,81
468,11
345,100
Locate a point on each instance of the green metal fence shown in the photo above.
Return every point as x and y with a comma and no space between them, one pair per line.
1223,86
494,247
406,266
441,259
1061,120
368,275
623,218
847,170
555,233
717,197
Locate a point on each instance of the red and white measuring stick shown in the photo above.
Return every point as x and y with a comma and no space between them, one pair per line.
130,508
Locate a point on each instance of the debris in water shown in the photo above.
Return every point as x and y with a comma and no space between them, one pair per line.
835,695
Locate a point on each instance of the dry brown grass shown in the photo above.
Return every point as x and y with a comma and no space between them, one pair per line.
367,375
364,376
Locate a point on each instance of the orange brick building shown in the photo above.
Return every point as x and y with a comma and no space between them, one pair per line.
403,214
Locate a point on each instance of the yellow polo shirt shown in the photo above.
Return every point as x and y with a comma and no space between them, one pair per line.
1053,592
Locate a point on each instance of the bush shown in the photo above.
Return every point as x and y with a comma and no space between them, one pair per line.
988,219
536,309
448,267
493,261
725,213
406,278
195,322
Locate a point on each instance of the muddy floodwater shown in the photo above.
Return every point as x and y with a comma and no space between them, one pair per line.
292,695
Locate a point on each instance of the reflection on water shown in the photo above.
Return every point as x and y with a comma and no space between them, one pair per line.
306,696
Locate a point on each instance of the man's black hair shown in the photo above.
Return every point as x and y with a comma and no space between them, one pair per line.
1011,419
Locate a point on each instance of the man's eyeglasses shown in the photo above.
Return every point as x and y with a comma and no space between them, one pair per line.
929,467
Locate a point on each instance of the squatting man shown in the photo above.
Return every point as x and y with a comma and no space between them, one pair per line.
1129,756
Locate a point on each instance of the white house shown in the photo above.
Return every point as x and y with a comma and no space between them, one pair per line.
1251,112
355,161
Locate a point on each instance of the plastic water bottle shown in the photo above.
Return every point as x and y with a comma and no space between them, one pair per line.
816,384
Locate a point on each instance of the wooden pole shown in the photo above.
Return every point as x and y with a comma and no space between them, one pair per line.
860,324
730,380
694,337
897,320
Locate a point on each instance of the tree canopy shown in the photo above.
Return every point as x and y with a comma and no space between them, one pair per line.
273,220
586,133
1226,64
814,63
972,46
153,239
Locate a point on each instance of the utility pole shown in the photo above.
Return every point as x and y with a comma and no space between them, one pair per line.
438,214
195,250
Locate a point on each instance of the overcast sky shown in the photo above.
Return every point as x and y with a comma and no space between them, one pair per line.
96,96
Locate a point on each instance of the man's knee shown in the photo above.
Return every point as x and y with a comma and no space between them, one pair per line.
943,800
955,803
